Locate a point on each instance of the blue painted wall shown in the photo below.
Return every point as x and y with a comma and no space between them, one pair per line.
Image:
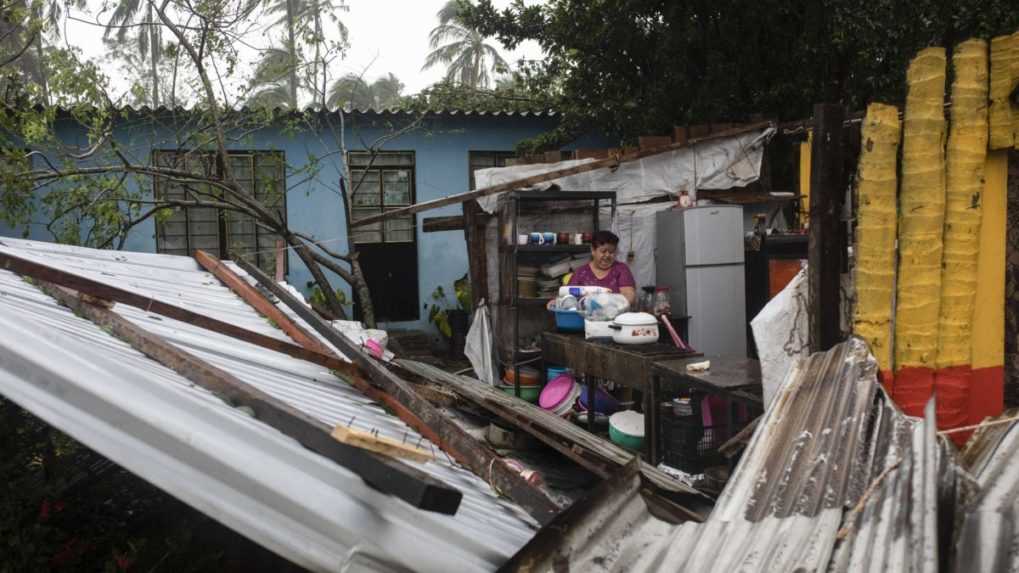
441,144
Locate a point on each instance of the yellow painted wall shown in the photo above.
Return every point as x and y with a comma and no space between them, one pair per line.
805,179
966,155
988,339
921,213
875,230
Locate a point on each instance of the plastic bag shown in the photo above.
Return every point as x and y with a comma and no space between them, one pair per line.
603,306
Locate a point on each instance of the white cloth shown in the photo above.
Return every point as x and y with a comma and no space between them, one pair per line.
478,346
781,334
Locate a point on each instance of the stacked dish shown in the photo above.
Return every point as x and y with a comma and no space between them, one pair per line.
559,395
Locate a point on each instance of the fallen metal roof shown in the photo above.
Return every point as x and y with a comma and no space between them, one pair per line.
987,540
214,457
390,113
831,439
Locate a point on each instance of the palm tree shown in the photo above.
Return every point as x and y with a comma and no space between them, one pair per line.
149,37
462,49
353,91
279,72
272,82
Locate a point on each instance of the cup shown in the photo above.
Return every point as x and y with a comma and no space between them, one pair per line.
522,239
537,239
588,237
578,238
562,239
549,238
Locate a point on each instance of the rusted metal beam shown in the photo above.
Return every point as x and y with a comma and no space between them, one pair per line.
262,305
552,175
104,291
385,474
444,432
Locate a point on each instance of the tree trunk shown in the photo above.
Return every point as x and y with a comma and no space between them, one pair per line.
321,280
43,80
292,48
154,46
359,285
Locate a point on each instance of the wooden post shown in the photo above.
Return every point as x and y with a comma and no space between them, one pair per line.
826,249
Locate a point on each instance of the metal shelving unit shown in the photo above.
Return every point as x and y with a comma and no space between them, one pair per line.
516,199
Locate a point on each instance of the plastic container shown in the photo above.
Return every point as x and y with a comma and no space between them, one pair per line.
568,321
627,429
527,393
554,372
604,403
559,395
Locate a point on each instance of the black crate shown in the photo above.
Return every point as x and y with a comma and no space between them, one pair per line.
688,445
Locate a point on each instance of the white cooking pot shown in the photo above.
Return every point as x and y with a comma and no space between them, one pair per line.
635,328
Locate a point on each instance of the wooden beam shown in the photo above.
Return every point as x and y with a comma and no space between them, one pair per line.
385,474
435,224
446,434
587,448
262,305
825,250
611,162
104,291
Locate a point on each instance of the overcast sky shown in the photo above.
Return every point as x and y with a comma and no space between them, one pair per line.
385,36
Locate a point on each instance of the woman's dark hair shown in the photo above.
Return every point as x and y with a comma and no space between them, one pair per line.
604,238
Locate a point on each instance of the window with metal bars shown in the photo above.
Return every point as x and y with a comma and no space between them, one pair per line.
382,184
222,232
485,159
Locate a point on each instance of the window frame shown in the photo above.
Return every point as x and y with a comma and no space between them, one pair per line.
381,207
223,234
473,153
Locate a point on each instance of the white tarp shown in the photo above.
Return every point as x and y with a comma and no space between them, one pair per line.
721,163
781,334
479,348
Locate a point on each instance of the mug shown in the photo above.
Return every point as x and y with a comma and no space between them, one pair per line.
537,239
578,239
562,239
549,238
522,239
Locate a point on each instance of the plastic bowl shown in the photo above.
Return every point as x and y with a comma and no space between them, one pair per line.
527,393
626,429
604,403
559,394
568,321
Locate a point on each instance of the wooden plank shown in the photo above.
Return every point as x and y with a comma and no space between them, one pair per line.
446,434
680,134
825,250
435,224
653,141
380,472
540,423
610,162
380,444
104,291
262,305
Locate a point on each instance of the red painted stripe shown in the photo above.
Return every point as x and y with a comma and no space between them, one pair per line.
987,396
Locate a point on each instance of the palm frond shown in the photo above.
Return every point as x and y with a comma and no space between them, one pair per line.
271,96
446,54
447,32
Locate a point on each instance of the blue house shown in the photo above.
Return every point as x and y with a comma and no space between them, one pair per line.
421,158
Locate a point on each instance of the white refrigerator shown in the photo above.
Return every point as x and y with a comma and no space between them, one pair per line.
699,256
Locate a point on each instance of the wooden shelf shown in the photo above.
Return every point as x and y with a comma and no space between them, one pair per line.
550,248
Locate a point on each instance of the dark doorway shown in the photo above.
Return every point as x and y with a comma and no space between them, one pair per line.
391,271
388,250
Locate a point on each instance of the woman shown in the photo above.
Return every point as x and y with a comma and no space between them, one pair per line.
604,270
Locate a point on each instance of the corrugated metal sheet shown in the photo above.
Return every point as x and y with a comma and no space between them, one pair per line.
830,440
987,539
179,437
351,113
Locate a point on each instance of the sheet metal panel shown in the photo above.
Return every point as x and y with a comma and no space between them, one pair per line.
214,457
